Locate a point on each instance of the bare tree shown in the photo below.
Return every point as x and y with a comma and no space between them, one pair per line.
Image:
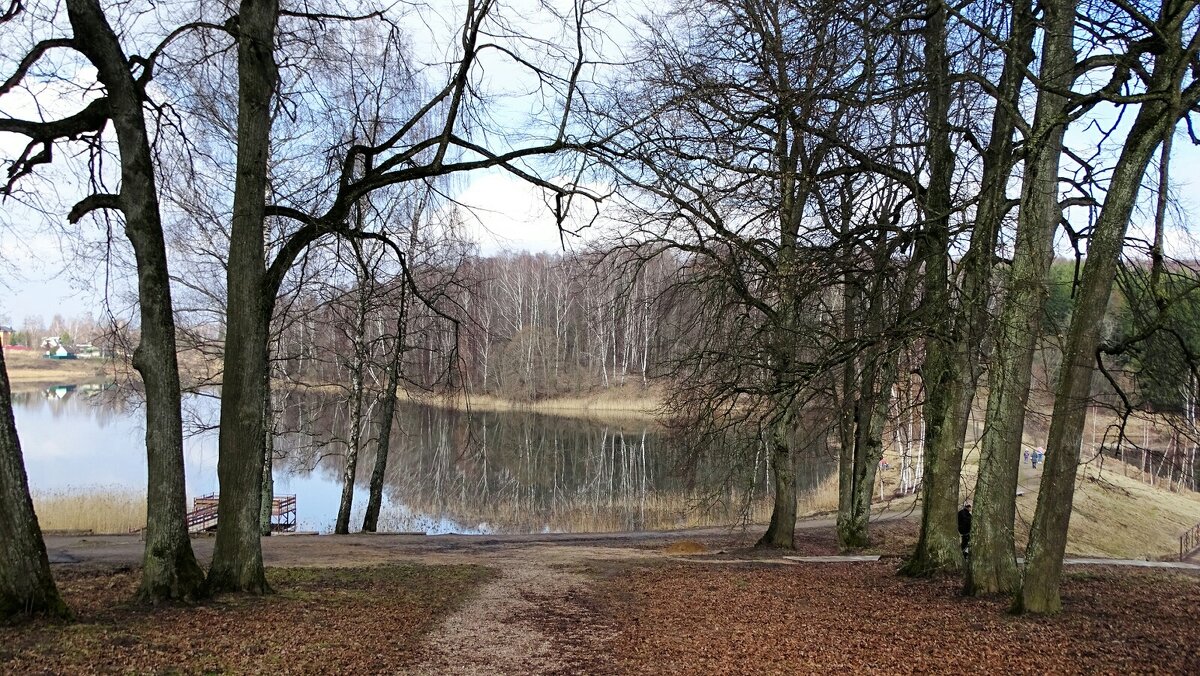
1173,92
405,155
748,105
170,570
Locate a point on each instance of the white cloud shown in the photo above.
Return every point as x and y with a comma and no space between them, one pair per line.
507,213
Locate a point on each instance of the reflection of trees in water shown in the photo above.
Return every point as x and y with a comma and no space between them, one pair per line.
525,472
100,404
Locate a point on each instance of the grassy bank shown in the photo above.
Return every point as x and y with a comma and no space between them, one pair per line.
27,369
1119,516
1115,513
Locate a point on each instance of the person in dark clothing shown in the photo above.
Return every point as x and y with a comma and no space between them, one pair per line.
964,528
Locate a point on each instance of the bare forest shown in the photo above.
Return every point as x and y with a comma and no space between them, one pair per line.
845,224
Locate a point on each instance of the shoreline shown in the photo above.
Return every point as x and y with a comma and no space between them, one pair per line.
29,371
630,402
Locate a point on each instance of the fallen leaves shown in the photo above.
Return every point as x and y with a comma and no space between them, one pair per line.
697,619
320,620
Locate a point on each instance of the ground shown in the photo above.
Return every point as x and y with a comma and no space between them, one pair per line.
685,602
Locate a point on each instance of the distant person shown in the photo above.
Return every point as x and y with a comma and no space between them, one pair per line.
964,528
1025,456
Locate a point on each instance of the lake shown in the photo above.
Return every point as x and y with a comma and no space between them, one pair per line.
448,472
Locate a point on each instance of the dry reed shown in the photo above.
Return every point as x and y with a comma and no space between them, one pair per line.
96,509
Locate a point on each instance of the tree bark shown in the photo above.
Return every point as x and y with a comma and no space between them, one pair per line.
237,555
26,586
781,532
953,360
169,567
993,565
387,414
1155,122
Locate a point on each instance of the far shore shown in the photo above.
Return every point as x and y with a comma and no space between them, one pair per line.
626,401
28,370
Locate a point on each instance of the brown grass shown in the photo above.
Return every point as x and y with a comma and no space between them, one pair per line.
1118,516
658,511
627,401
28,369
685,547
96,510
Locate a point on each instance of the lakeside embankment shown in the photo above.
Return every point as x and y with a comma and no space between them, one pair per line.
644,403
29,370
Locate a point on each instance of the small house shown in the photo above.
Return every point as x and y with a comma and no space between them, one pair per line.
60,353
6,335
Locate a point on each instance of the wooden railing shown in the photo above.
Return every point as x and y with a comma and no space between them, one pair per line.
283,513
1189,542
204,513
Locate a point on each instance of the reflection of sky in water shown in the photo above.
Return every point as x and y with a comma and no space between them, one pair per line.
449,472
72,442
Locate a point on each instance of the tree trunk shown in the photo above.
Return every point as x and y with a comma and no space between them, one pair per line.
953,362
237,555
357,393
1048,537
265,511
26,586
781,532
169,567
870,414
940,480
387,414
993,566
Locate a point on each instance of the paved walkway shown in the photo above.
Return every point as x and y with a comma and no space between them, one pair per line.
1134,563
796,560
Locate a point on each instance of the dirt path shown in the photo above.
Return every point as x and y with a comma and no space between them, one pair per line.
536,616
530,620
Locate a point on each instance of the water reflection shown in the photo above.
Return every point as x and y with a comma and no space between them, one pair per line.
448,471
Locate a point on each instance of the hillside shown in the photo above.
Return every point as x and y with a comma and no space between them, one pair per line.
1115,513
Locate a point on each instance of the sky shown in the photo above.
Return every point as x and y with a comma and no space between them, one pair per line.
42,278
38,277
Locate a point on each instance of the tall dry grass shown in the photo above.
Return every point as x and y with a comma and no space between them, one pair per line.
619,401
99,509
652,512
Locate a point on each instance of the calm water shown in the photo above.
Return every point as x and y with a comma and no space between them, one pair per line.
448,471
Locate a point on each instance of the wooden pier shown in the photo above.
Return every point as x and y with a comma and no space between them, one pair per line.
203,516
